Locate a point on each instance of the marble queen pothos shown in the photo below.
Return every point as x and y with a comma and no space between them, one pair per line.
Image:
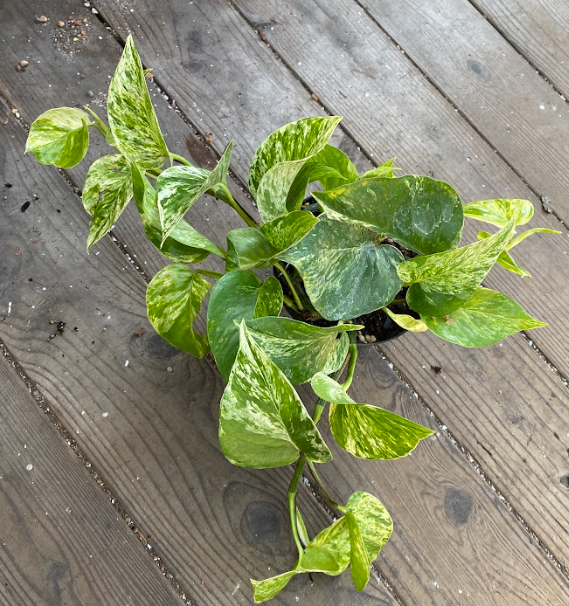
369,243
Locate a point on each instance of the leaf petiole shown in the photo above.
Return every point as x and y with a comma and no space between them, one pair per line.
179,159
221,192
353,353
212,274
322,488
292,502
295,296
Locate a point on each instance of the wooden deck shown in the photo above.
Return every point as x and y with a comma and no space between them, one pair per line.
113,489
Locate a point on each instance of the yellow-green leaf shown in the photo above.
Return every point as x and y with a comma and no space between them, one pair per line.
383,170
500,212
406,321
131,114
60,136
488,317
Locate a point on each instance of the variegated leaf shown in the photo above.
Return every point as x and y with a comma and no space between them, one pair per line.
255,248
263,423
500,212
301,350
505,259
107,191
383,170
422,214
488,317
131,113
367,431
238,295
330,167
331,552
346,272
279,159
359,559
60,136
180,186
406,321
515,241
184,244
444,282
173,300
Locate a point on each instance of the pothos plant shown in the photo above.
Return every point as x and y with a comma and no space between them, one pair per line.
366,247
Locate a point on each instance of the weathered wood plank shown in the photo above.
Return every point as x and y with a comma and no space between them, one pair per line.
149,426
538,29
508,102
61,539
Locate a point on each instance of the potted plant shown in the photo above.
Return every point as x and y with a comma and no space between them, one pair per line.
367,258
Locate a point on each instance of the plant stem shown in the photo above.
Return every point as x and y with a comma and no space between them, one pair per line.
222,193
290,303
211,274
318,481
396,301
351,366
292,502
180,159
295,296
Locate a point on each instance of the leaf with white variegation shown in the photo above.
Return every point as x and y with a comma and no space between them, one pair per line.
444,282
488,317
173,300
366,431
262,421
180,186
106,193
236,296
500,212
256,248
505,259
422,214
383,170
346,271
335,548
301,350
131,114
279,159
60,137
184,244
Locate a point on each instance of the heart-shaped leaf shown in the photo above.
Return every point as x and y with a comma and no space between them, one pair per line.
422,214
280,158
338,546
367,431
60,136
301,350
488,317
255,248
500,212
107,191
184,244
346,272
180,186
444,282
263,423
173,300
236,296
131,113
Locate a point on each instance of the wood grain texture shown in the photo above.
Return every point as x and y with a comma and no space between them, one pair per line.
538,29
150,426
509,103
61,540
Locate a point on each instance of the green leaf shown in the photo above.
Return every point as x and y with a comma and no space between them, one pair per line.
180,186
515,241
60,136
422,214
346,271
384,170
331,167
331,552
500,212
505,259
300,350
444,282
488,317
131,113
236,296
184,244
406,321
263,423
107,191
359,559
255,248
173,299
367,431
280,158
